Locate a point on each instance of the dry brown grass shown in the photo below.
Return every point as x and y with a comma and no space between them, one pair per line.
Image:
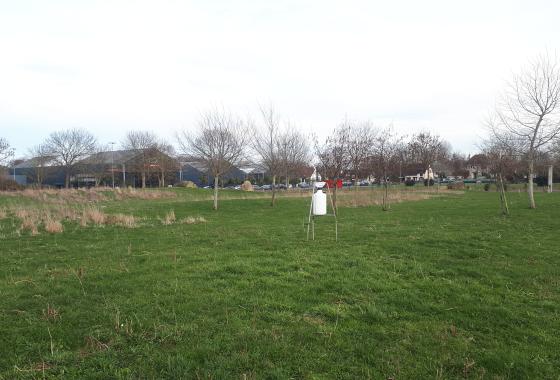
51,217
193,220
30,223
169,218
122,220
132,193
88,196
374,197
50,313
93,216
53,226
3,214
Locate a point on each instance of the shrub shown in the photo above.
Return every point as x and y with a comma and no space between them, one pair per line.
456,186
431,182
7,184
486,187
541,181
187,184
410,182
247,186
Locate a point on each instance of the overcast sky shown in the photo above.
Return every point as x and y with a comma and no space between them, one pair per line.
113,66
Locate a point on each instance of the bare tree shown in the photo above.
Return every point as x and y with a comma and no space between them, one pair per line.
426,148
529,113
144,143
295,153
41,156
164,155
5,150
219,143
266,144
69,147
501,155
333,155
385,149
361,138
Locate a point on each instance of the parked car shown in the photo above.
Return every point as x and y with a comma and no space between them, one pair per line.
256,187
303,185
266,187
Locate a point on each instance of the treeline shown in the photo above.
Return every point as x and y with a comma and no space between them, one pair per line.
522,140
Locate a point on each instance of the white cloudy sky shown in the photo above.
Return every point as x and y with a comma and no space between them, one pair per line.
112,66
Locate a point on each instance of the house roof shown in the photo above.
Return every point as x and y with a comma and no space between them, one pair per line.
200,166
116,157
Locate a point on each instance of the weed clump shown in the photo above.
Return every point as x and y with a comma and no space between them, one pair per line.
122,220
169,218
93,215
193,220
53,226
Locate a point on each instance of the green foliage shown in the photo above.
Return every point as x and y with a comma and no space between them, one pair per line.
443,287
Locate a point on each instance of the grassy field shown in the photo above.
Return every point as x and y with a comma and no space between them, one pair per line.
436,288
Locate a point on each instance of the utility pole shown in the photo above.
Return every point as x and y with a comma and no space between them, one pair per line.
112,163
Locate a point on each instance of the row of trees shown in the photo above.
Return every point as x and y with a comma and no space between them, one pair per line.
359,150
523,129
223,140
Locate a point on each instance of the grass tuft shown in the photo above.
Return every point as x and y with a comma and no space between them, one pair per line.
193,220
128,221
169,218
53,226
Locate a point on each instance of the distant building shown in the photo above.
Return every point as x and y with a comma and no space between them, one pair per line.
125,167
197,172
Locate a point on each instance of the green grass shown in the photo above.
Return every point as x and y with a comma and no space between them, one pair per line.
441,288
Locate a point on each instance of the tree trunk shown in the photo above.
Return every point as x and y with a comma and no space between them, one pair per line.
530,190
162,179
143,179
385,204
335,187
273,190
67,179
503,198
216,192
356,191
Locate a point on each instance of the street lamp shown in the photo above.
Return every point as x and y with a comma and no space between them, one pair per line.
112,163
